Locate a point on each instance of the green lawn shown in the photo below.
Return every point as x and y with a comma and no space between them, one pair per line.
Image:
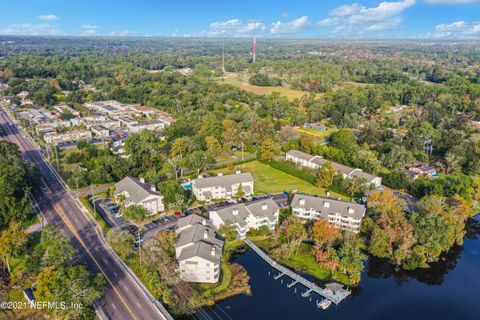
303,261
242,82
235,156
269,180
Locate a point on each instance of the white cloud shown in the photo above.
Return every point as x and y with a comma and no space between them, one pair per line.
123,33
290,27
457,30
452,1
234,27
89,29
30,29
240,28
355,19
48,17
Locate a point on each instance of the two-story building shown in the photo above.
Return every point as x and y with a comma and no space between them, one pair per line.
245,216
222,187
198,251
316,162
342,214
138,192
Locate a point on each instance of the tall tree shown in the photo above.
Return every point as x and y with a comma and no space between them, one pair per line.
12,242
71,284
325,175
267,150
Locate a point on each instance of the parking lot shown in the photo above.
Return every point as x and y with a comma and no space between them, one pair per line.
164,223
110,217
146,231
113,218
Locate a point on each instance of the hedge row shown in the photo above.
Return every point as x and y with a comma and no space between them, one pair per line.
292,170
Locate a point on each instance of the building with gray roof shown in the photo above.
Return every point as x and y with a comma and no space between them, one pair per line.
245,216
342,214
222,187
316,162
198,251
138,192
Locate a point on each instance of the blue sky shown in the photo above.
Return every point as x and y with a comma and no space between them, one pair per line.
435,19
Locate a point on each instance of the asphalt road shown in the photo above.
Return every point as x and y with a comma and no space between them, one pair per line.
123,298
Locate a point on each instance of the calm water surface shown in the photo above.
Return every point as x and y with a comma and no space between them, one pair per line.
450,289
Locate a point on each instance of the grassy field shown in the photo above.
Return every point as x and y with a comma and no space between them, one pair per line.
237,155
242,83
269,180
317,133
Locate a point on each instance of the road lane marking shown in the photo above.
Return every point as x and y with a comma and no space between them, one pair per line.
19,137
125,287
62,215
46,186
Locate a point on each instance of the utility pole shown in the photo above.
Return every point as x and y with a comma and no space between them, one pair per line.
58,166
93,199
254,49
76,182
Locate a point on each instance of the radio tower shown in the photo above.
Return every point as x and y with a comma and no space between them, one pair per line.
254,49
223,56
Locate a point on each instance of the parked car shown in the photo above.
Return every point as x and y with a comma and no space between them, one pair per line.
178,214
136,247
132,228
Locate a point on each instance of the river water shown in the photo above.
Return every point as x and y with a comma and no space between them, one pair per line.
450,289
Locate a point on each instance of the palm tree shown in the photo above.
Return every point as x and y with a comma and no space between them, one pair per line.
175,162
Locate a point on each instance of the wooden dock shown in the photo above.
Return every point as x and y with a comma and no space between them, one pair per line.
336,295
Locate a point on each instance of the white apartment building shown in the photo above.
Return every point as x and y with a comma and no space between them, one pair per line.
55,138
245,216
222,187
316,162
342,214
138,192
198,251
100,131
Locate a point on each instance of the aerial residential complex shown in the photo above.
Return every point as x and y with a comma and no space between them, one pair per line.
198,251
111,118
245,216
342,214
222,187
316,162
138,192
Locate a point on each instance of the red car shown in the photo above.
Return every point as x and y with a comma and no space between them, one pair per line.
178,214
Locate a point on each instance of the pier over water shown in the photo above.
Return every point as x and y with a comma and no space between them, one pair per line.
333,292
